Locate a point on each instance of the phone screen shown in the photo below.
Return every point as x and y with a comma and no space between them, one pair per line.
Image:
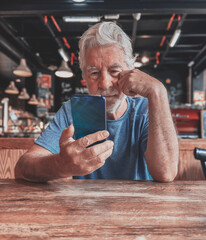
88,113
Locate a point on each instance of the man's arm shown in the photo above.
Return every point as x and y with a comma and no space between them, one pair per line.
162,146
76,158
37,165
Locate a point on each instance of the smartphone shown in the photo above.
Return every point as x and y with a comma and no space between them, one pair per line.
88,113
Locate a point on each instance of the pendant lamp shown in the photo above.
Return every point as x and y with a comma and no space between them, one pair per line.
41,103
64,71
22,70
12,89
33,100
23,94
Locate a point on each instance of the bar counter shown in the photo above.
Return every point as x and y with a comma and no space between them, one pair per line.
103,209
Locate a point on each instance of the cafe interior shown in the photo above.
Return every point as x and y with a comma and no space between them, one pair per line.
39,70
39,67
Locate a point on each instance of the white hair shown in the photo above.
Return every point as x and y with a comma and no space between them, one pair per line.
106,33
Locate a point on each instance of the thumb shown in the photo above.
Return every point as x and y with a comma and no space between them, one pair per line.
70,130
67,134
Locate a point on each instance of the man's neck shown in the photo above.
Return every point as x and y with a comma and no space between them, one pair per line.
119,113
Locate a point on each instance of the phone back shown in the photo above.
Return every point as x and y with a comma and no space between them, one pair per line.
89,114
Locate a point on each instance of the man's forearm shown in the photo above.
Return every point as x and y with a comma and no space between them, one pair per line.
32,167
162,147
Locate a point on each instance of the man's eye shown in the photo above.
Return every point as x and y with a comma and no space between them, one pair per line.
94,73
114,72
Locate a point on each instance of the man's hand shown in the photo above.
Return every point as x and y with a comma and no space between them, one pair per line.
76,158
162,145
135,82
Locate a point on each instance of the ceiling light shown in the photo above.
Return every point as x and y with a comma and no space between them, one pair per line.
12,89
111,16
52,67
174,38
41,103
79,1
33,100
22,70
23,94
136,16
191,63
144,59
64,71
137,64
63,54
81,19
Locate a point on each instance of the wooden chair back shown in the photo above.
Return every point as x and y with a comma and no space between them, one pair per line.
11,149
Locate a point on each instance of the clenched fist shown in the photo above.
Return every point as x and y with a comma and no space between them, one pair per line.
135,82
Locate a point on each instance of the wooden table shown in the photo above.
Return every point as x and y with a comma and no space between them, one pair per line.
99,209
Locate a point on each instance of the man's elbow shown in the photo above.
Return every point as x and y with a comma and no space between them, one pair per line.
166,176
18,169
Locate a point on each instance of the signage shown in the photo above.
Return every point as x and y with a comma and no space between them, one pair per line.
199,98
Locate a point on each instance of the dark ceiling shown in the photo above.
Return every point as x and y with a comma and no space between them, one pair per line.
36,30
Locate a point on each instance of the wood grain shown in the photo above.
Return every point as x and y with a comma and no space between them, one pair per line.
190,144
99,209
11,149
8,160
16,143
188,169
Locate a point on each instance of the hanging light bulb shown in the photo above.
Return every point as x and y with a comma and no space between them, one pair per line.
12,89
33,100
144,59
64,71
23,94
22,70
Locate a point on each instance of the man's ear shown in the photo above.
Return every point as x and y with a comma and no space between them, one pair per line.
83,83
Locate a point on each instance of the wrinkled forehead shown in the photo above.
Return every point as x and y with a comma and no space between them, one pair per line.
107,55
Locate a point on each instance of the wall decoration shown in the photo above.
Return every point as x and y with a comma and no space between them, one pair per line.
44,93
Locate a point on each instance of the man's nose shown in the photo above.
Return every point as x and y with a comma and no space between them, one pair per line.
105,81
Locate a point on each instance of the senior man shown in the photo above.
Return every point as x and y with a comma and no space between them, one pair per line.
141,139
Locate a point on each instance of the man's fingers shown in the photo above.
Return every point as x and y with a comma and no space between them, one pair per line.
123,73
93,151
92,138
98,161
70,130
67,134
123,77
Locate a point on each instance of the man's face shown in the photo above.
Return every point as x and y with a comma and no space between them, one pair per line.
102,67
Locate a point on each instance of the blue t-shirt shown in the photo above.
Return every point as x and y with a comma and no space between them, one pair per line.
129,134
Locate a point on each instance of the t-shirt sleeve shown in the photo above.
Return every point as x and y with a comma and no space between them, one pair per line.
144,134
144,138
49,139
